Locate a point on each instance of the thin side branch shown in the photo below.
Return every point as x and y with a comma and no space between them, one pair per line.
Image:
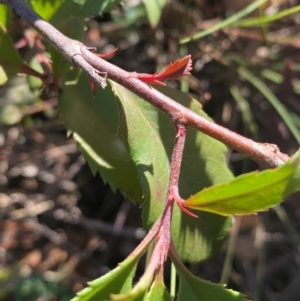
177,155
267,155
173,190
162,228
162,246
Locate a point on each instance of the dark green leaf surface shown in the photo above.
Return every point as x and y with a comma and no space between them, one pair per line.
250,192
91,7
149,136
57,10
82,9
192,288
93,123
10,60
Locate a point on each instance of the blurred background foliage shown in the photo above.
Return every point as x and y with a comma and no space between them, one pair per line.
61,227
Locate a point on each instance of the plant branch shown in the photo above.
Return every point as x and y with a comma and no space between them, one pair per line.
176,160
69,48
267,155
162,228
173,190
162,245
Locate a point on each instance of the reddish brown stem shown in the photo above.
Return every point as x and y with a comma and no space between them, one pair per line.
162,228
173,192
176,159
164,235
267,155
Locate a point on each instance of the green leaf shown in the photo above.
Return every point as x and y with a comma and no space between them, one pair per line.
274,101
138,293
91,7
230,20
3,76
158,290
258,21
73,28
10,59
247,116
5,15
94,124
117,284
204,164
192,288
83,9
273,76
10,114
35,83
46,9
119,280
154,9
250,192
139,131
149,137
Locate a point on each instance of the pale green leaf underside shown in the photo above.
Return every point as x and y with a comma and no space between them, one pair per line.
250,192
